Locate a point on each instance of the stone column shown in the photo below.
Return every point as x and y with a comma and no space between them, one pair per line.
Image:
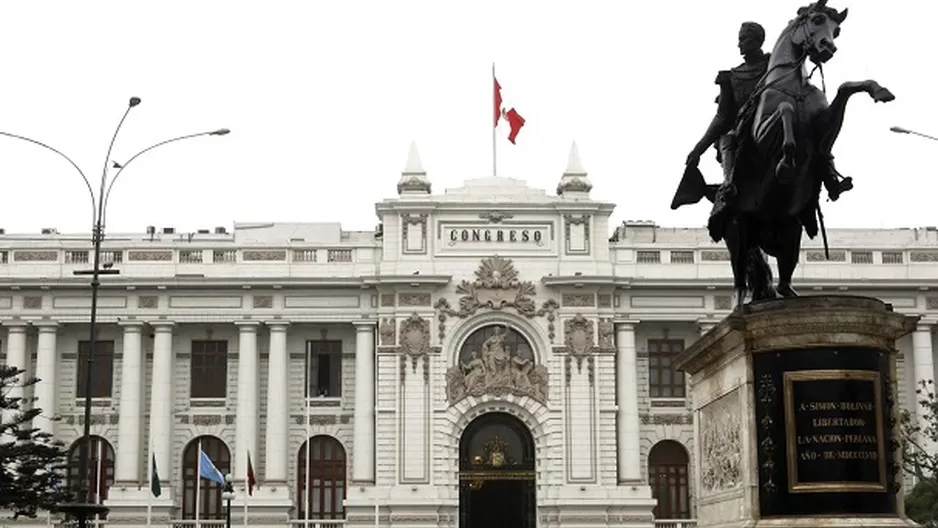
45,390
247,413
162,396
278,408
627,441
363,457
16,357
924,369
131,406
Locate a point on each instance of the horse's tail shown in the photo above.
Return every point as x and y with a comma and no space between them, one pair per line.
692,189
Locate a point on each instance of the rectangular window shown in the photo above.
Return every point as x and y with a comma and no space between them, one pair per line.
209,369
663,380
324,369
102,374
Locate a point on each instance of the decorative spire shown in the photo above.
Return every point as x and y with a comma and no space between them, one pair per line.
574,180
414,178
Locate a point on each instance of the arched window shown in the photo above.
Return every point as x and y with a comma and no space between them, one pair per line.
667,475
326,470
100,469
210,504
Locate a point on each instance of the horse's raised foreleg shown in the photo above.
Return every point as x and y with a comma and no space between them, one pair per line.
833,117
831,121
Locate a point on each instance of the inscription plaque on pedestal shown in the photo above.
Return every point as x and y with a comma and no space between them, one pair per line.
825,445
835,439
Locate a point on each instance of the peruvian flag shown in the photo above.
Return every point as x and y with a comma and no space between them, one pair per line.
515,121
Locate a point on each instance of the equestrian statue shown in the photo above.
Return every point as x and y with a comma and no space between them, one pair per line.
774,132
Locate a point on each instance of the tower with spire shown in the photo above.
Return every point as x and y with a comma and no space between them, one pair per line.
414,181
574,183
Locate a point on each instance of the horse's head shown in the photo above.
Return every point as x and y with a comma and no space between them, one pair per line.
815,30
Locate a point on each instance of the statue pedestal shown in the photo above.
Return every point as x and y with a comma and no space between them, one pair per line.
795,417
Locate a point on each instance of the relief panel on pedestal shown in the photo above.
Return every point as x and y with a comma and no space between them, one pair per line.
721,445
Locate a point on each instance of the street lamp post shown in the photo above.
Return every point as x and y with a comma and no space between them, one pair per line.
84,508
900,130
227,495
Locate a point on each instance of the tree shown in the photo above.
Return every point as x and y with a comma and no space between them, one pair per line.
32,462
921,504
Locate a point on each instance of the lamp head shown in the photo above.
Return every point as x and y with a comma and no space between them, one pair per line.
228,478
134,101
220,132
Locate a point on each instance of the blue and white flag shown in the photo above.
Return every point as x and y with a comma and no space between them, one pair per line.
208,470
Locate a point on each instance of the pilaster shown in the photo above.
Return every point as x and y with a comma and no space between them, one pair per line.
131,405
162,394
247,410
628,432
46,391
363,459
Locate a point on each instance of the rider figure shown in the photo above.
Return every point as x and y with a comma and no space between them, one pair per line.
736,87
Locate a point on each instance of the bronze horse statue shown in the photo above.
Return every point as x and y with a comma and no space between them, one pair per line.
786,132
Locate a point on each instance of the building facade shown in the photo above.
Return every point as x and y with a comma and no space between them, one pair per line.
486,354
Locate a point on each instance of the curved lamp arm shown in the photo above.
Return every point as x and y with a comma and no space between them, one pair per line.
134,101
83,177
107,194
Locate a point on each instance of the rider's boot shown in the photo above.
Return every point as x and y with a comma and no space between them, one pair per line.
834,182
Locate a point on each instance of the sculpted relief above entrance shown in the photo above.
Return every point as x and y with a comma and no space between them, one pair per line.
496,287
496,360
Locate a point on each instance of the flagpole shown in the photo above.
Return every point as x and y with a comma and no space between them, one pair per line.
198,482
97,483
150,482
495,126
309,357
247,483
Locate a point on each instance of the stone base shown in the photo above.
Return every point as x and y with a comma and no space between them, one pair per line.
793,405
128,505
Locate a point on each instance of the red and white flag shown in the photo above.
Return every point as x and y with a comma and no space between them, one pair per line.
514,119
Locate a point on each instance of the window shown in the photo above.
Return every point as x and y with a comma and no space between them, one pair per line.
102,374
324,369
326,470
663,380
100,469
210,504
667,476
209,375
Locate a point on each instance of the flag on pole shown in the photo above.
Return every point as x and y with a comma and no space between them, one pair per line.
155,488
514,119
252,481
207,469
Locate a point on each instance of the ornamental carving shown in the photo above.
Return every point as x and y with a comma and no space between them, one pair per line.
496,287
498,367
607,334
386,331
495,217
414,343
720,444
579,338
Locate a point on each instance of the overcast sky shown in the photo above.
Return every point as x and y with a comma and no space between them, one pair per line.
323,99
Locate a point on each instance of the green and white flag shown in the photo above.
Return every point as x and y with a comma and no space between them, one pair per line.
154,477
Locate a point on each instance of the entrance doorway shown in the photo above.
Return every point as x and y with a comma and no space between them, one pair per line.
496,474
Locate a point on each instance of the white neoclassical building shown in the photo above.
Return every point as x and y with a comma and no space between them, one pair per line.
486,356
